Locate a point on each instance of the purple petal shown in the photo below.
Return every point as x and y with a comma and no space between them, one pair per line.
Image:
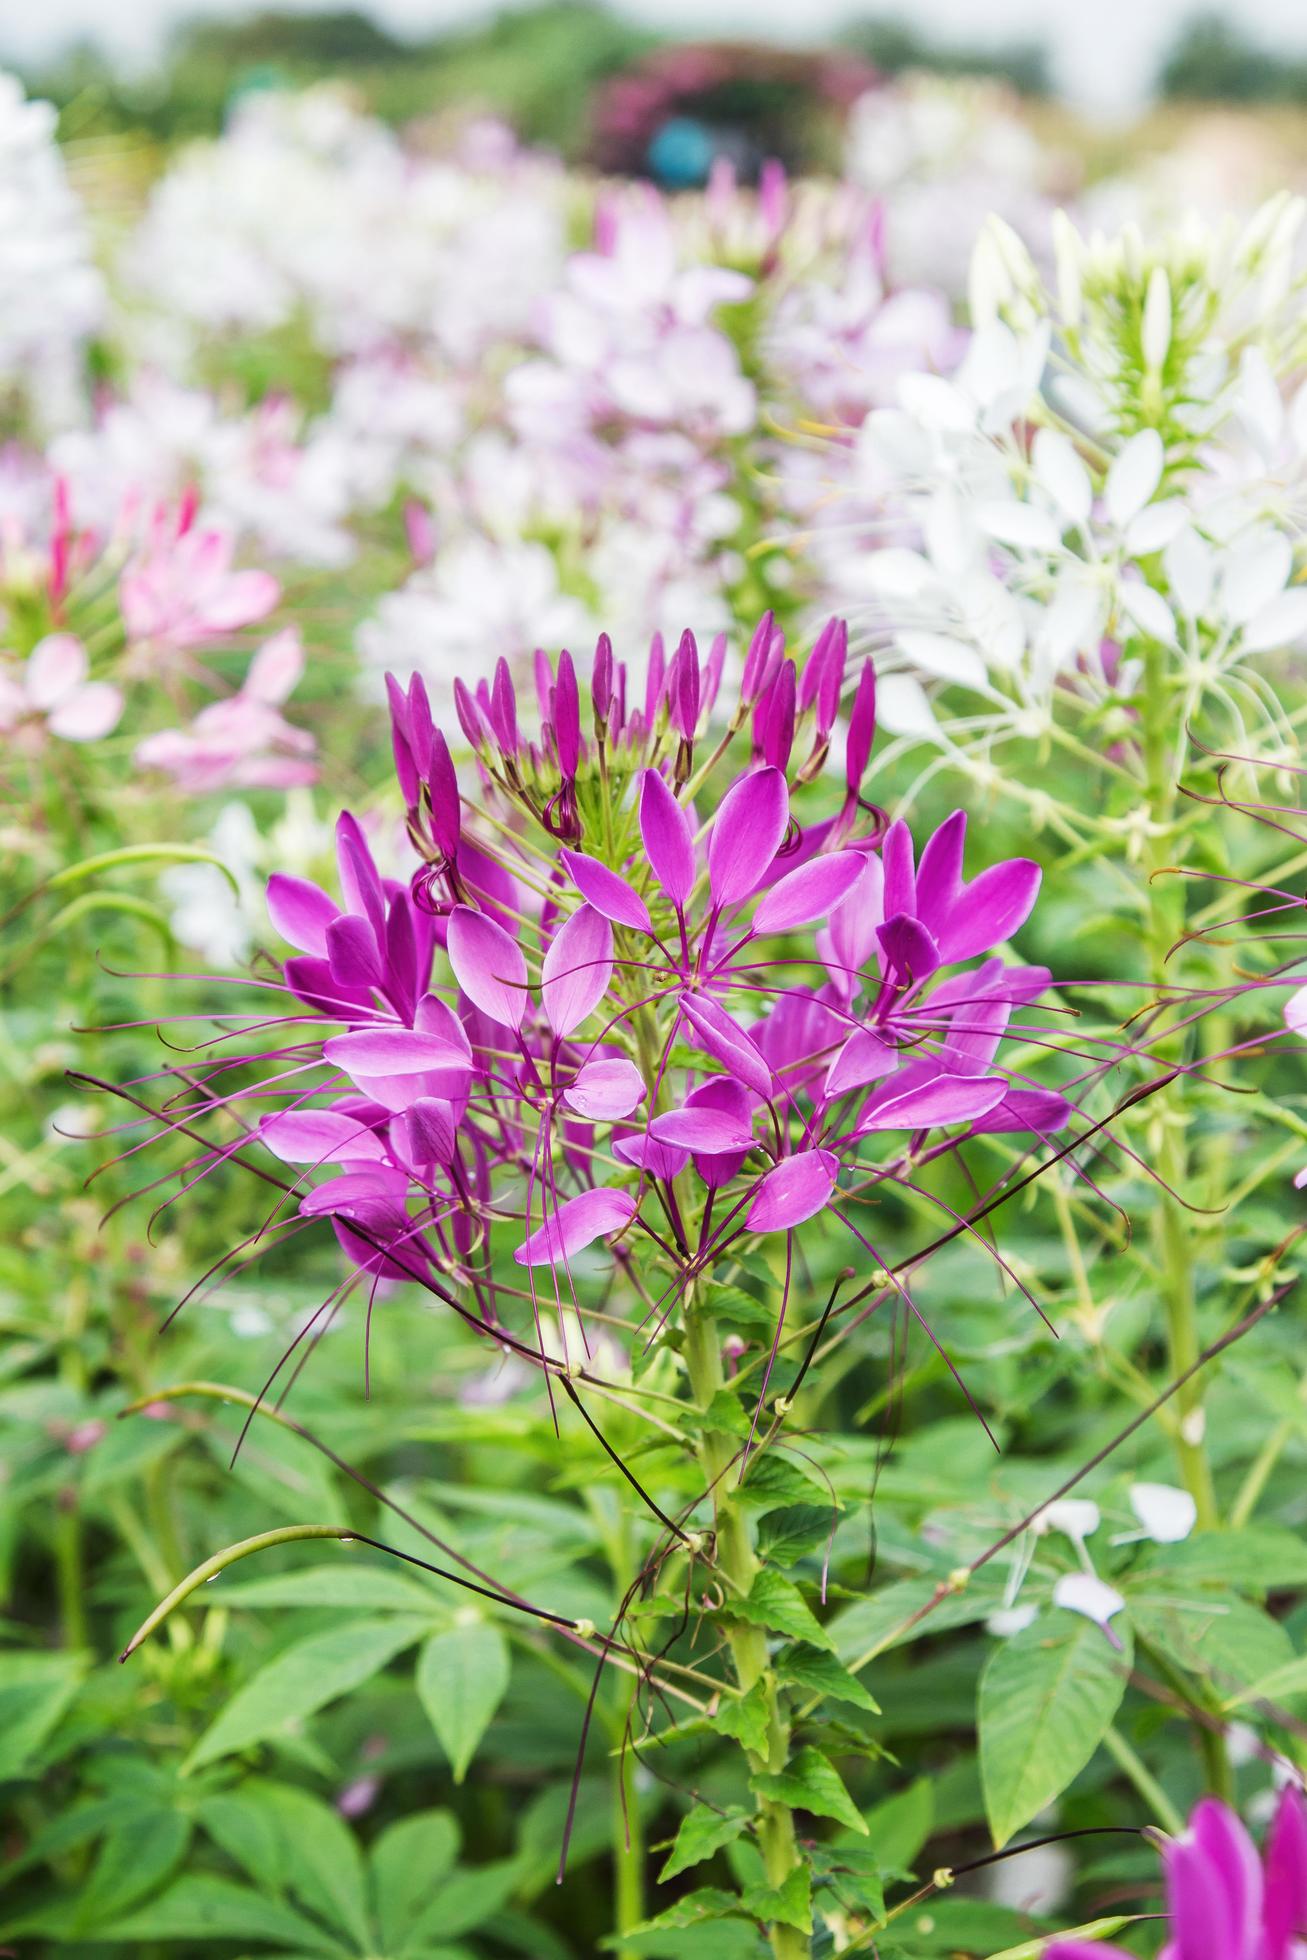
939,875
719,1036
648,1155
393,1051
991,908
352,953
310,980
606,891
862,729
910,951
667,838
431,1130
864,1058
746,834
576,1224
359,879
945,1099
853,924
1285,1911
319,1136
1039,1110
1222,1840
900,879
567,715
301,912
811,892
796,1190
577,969
488,966
701,1127
606,1091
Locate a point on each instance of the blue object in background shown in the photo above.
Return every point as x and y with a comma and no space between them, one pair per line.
681,152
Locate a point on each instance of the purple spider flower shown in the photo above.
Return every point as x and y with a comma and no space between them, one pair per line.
1223,1901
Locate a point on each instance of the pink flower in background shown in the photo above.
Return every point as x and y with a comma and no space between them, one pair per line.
181,590
243,742
51,694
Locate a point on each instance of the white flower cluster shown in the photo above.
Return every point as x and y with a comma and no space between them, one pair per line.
1116,463
51,298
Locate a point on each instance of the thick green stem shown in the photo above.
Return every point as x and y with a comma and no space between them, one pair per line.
1174,1235
737,1563
628,1850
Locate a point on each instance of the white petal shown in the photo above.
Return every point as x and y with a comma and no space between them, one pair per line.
1258,402
1155,527
936,403
992,617
897,573
1166,1513
1011,1619
1062,474
1295,1011
903,709
943,658
950,536
1255,573
1020,525
1134,477
1078,1517
1190,571
1085,1592
1148,610
1281,624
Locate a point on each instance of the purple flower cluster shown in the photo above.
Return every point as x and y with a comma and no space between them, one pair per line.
598,1012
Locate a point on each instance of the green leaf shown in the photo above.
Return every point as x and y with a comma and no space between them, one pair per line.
809,1782
703,1831
35,1689
745,1717
725,1415
318,1857
790,1534
408,1861
1046,1697
855,1873
735,1307
900,1826
1291,1679
776,1603
461,1678
301,1679
467,1898
137,1856
1227,1639
1254,1559
198,1907
821,1674
695,1909
787,1904
773,1479
861,1632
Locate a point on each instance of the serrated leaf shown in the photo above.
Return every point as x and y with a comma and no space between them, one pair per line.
725,1415
855,1873
809,1782
703,1831
695,1909
775,1602
1046,1697
789,1534
302,1679
745,1717
821,1674
737,1308
773,1479
787,1904
409,1860
462,1676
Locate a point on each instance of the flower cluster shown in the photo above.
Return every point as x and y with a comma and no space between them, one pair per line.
603,1010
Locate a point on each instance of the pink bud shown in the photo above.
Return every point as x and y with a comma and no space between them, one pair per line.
755,660
712,678
503,707
420,532
567,716
862,729
601,679
653,686
442,787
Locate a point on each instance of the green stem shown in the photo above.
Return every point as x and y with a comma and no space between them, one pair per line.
628,1850
1144,1781
738,1565
1174,1234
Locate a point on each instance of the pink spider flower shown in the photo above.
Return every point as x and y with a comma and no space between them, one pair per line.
622,1000
181,590
1223,1901
243,742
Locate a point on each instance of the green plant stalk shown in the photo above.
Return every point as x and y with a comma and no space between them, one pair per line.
738,1565
628,1850
1174,1235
